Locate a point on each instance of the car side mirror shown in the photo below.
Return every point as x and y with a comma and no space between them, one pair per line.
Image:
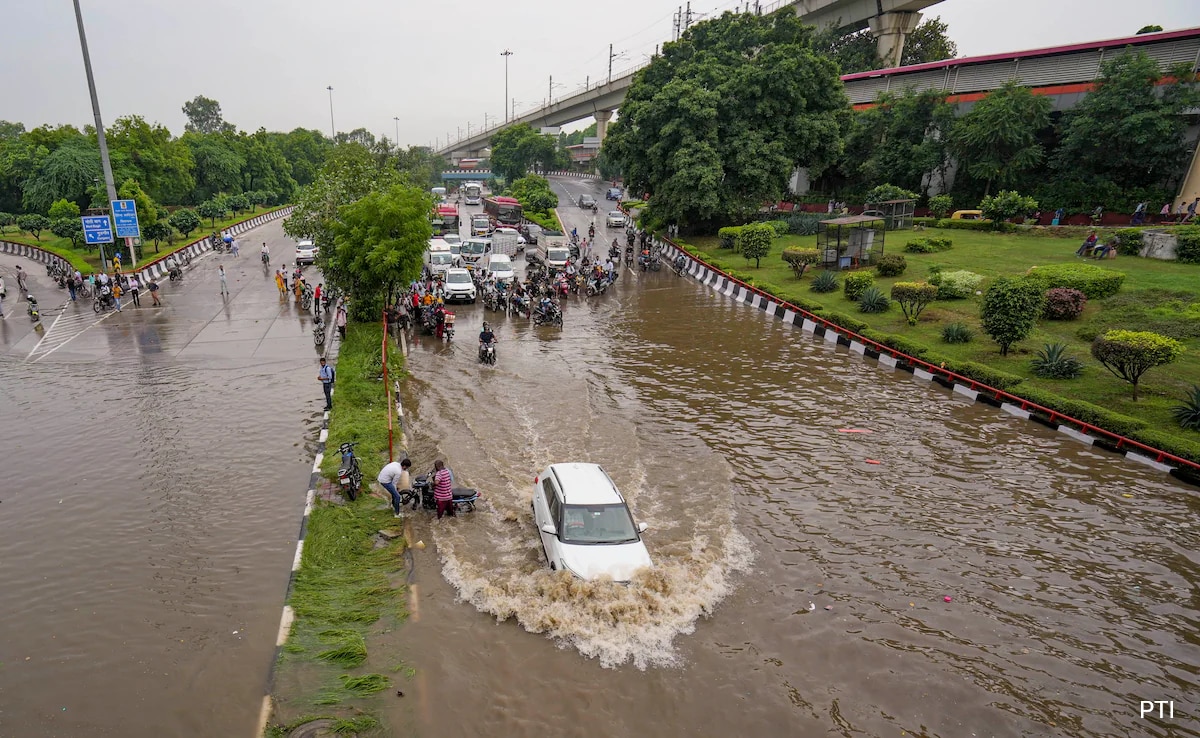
549,529
642,527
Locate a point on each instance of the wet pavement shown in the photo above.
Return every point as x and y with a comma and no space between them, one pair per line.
798,590
154,477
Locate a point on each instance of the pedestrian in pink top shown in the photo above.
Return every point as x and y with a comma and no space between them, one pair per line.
443,489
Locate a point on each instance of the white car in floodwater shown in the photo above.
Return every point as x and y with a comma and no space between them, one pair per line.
585,526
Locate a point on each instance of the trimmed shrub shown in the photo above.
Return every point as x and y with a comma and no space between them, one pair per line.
1010,310
1083,411
780,227
872,300
1052,362
755,241
1187,414
1093,281
957,333
966,225
1130,354
885,192
826,281
957,285
800,259
1187,250
913,298
1129,241
982,373
1064,303
729,237
903,344
928,245
941,205
891,265
857,283
1173,445
844,321
1007,204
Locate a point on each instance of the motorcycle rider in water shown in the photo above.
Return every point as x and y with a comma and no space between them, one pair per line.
486,338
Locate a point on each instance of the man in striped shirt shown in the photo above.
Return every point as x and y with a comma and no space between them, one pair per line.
443,489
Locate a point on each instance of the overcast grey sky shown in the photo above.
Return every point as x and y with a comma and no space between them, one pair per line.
435,65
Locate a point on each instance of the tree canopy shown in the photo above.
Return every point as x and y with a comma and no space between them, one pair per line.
716,125
204,116
998,139
855,51
518,148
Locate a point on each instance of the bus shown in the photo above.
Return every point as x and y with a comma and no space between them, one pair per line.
503,209
473,192
445,219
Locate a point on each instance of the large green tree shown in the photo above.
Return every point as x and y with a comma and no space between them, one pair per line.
534,193
909,140
218,161
69,172
204,116
378,243
855,50
1130,130
997,141
716,125
306,149
349,173
519,148
161,163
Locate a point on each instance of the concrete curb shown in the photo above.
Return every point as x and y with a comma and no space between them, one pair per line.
285,620
33,252
976,392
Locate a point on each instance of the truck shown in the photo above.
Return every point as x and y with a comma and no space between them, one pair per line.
504,243
472,250
481,225
473,192
551,251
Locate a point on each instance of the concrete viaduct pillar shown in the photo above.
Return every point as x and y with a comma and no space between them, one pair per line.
602,119
890,30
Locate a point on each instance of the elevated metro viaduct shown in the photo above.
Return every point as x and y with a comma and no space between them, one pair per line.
890,20
1065,73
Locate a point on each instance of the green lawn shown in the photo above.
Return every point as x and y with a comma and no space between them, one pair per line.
1158,296
87,260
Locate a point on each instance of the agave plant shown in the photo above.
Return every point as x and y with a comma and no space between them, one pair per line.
1188,413
957,333
872,300
1052,362
825,281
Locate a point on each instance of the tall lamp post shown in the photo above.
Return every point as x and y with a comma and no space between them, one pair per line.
105,164
332,133
506,53
397,119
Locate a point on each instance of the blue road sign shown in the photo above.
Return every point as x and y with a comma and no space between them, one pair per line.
125,214
97,229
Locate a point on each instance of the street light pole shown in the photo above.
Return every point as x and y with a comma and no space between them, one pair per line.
105,164
397,119
506,53
332,132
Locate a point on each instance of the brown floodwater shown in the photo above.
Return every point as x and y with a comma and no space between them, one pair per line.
178,444
797,589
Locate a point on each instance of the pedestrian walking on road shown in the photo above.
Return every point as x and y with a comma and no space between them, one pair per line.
443,489
340,320
116,293
280,283
22,285
135,288
116,260
326,375
224,284
71,288
2,295
153,287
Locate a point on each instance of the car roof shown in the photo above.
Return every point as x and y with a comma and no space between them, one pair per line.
305,242
585,484
501,257
616,212
457,270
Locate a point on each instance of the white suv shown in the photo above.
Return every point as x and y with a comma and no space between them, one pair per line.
585,526
459,285
306,252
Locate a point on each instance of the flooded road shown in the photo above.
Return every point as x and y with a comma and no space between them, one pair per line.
798,590
154,473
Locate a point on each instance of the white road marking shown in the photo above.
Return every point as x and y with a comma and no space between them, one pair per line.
63,330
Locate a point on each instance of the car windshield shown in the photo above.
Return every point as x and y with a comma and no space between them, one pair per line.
440,258
473,247
598,524
501,265
557,255
458,277
616,214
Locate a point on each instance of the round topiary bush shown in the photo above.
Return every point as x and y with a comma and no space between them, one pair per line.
1064,303
891,265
